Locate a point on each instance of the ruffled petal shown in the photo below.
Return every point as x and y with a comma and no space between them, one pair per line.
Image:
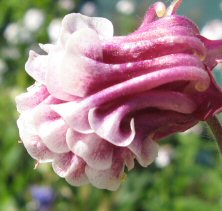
214,52
29,100
109,124
51,128
52,75
76,75
95,151
37,66
75,115
109,127
145,151
128,157
75,21
108,179
71,167
32,142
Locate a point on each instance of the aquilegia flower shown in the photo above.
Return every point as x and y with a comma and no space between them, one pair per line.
100,101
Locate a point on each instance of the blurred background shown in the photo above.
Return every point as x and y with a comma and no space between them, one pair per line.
187,174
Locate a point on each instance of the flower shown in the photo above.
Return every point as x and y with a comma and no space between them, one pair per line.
100,101
33,19
164,157
125,6
43,196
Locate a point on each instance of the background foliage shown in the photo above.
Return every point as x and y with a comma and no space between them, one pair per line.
187,175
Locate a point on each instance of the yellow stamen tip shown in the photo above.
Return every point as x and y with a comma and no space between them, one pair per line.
202,57
160,10
201,87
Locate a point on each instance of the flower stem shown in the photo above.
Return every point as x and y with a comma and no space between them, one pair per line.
216,129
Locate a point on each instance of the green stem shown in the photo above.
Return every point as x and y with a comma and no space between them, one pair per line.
216,129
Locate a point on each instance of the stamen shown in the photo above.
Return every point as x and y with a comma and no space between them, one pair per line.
36,165
160,9
173,7
202,57
201,87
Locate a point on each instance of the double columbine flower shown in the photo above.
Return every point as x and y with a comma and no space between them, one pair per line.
100,101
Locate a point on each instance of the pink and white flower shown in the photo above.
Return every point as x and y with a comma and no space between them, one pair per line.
100,101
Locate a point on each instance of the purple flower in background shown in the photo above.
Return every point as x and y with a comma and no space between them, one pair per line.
100,101
43,196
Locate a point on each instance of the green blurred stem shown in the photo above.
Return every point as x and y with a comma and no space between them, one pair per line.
216,129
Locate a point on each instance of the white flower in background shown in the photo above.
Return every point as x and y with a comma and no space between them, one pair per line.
33,19
164,156
15,33
125,6
67,4
22,33
54,29
89,8
212,30
11,33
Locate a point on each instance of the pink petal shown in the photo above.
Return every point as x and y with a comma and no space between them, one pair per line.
37,66
71,167
75,114
148,49
214,52
76,75
75,21
51,128
33,143
28,100
108,124
52,75
128,157
145,151
168,22
107,179
95,151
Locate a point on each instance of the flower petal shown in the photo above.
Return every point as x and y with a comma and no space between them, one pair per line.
52,75
71,167
29,100
145,151
36,66
32,142
51,128
109,124
75,21
107,179
95,151
76,75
